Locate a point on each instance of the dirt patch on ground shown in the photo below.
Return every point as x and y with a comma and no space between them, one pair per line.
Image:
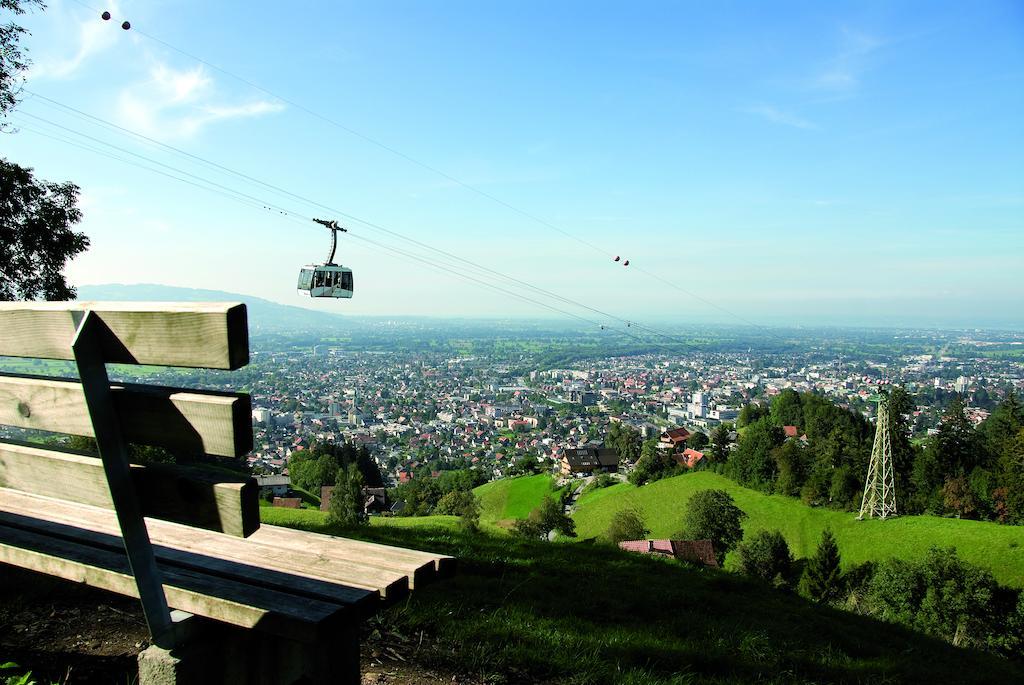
75,635
68,633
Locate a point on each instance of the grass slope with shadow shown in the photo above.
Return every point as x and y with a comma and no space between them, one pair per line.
996,547
519,611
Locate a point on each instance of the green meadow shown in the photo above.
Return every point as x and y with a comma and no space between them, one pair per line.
990,545
503,501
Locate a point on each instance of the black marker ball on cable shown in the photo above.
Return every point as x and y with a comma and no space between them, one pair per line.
126,26
106,16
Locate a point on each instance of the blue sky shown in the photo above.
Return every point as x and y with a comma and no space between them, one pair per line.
842,163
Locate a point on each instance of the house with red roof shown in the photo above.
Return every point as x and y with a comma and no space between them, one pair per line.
689,457
695,551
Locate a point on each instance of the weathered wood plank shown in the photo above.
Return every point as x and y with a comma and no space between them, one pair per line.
170,540
211,335
199,593
171,493
192,421
106,537
420,566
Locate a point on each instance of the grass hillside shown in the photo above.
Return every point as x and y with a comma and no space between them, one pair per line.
503,501
521,611
996,547
316,520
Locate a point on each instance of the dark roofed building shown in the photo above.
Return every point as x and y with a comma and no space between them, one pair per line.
675,439
589,460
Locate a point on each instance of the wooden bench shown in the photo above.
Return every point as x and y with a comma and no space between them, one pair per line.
252,603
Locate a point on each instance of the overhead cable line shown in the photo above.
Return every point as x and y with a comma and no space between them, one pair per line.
153,161
257,203
104,153
282,191
435,170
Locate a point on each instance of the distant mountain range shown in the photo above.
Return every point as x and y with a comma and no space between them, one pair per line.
264,315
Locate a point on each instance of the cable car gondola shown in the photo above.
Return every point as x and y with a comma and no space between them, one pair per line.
327,279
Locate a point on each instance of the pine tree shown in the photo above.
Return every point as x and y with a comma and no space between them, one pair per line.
822,579
346,506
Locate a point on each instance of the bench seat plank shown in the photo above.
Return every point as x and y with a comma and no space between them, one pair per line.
170,540
195,421
198,593
420,566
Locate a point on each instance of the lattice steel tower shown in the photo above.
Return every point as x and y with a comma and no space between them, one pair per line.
880,486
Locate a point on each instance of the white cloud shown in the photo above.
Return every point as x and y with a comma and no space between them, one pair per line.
778,116
180,104
843,72
90,36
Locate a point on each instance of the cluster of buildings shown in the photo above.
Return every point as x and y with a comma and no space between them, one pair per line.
423,411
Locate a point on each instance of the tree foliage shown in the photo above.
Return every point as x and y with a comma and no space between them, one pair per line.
625,440
654,463
627,524
36,236
751,413
461,503
422,494
713,515
546,518
697,441
962,470
822,579
13,61
318,466
36,216
752,464
346,505
765,555
720,442
946,597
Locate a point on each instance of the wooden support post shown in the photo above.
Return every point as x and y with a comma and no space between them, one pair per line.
92,370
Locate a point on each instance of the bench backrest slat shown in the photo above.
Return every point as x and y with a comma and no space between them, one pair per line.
176,494
191,421
186,422
211,335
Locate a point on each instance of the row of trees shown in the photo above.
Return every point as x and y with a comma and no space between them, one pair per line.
973,472
940,595
345,467
967,471
829,468
320,465
423,496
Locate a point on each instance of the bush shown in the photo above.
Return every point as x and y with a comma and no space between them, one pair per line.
713,515
542,521
601,481
945,597
456,502
627,524
857,582
766,555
